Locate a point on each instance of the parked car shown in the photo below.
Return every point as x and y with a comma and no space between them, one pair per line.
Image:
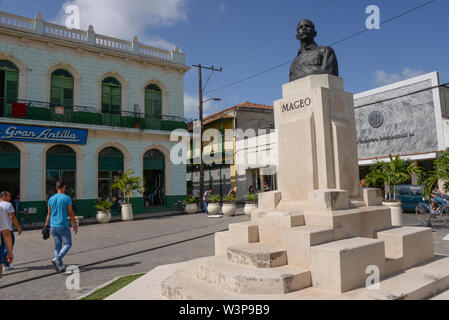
411,195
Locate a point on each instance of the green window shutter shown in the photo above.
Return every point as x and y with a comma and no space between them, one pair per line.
68,97
12,86
68,91
105,99
55,95
116,100
106,163
61,162
153,102
153,164
9,160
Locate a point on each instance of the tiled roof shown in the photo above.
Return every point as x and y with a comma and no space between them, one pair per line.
228,113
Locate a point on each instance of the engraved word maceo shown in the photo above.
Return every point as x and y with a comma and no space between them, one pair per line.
298,104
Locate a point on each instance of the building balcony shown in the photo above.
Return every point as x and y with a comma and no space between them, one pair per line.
49,30
44,111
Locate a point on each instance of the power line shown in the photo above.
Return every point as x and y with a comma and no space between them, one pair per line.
332,44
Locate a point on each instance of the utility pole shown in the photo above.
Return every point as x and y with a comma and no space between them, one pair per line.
200,99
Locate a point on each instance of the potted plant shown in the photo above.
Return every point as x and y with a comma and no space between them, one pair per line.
214,204
127,185
191,206
392,173
229,209
103,210
250,204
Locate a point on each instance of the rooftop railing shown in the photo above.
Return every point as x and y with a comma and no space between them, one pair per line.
44,111
89,37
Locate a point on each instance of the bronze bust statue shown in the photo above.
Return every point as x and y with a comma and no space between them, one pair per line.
312,59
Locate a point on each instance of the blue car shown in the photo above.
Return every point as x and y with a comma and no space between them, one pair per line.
411,195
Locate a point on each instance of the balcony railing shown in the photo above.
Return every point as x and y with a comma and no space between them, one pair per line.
44,111
89,37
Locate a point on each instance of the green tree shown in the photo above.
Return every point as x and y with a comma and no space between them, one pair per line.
128,184
392,173
440,173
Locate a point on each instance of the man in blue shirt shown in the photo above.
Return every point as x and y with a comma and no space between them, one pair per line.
59,208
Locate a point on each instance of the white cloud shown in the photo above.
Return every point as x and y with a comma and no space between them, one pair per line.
124,19
191,106
382,78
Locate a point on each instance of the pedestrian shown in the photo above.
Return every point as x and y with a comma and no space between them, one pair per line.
59,207
206,197
7,209
6,241
265,186
251,190
233,192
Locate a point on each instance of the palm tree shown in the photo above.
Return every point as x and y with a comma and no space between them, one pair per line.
127,185
392,173
440,173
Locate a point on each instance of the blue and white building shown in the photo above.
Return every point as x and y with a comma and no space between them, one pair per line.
83,107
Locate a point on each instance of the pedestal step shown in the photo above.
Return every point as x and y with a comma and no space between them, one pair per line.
298,241
413,244
257,255
183,285
422,282
340,266
248,280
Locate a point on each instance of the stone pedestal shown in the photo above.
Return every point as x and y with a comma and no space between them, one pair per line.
319,228
317,137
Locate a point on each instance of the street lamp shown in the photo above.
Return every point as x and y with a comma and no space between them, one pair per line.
215,99
201,145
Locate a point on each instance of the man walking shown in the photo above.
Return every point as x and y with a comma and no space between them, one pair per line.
7,209
206,199
6,240
59,207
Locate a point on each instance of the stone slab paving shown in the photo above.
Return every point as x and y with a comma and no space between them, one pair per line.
104,252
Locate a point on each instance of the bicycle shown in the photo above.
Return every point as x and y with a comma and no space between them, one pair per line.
425,213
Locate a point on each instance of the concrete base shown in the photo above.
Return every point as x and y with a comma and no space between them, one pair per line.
427,281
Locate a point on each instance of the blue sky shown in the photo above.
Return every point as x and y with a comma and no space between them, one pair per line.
248,36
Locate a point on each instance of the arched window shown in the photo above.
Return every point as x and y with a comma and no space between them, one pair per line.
153,101
154,177
61,166
111,96
110,167
61,92
9,86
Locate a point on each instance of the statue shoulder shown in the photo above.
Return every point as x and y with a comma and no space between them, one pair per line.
325,49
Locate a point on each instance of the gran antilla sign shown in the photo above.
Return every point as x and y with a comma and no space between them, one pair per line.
297,104
42,134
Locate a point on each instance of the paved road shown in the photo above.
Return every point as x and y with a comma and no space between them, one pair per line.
107,251
104,252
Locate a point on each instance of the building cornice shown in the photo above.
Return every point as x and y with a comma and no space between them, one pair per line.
78,47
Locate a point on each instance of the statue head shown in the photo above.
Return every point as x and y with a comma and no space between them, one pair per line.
305,30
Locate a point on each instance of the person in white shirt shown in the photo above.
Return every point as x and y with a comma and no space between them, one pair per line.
7,210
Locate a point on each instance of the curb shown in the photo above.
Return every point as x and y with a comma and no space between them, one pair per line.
105,285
